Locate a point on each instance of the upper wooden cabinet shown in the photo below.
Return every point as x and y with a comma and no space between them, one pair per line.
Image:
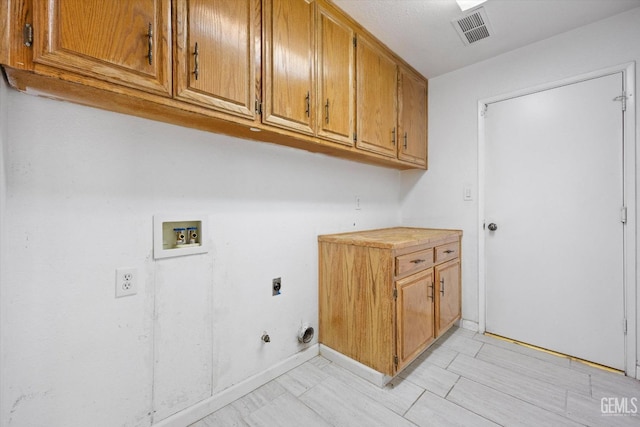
300,73
412,118
124,42
217,56
336,77
288,100
377,106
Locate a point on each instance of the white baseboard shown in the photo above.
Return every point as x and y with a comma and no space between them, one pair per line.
469,324
363,371
202,409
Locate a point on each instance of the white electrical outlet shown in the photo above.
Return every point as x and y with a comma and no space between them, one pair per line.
126,282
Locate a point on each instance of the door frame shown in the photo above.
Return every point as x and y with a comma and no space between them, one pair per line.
630,160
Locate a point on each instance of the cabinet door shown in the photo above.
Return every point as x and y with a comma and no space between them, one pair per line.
336,74
288,60
376,99
412,119
447,295
216,54
124,42
414,315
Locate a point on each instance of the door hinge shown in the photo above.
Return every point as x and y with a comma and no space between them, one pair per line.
395,294
623,99
27,33
355,137
624,326
483,112
623,215
395,360
258,107
355,42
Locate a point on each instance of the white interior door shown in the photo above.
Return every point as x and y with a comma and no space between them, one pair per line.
554,190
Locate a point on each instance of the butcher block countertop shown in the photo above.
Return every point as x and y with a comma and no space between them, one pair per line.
394,238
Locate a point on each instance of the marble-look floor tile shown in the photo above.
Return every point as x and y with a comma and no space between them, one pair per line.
461,343
543,370
528,351
595,412
286,411
502,408
227,416
540,393
258,398
302,378
398,395
615,385
434,411
430,377
437,355
343,406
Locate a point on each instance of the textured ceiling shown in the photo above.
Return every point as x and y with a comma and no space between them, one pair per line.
420,31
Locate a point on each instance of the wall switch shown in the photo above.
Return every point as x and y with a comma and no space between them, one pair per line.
358,207
467,195
126,282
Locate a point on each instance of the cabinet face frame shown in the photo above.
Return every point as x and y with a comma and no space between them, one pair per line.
55,43
229,50
376,99
288,57
335,61
412,118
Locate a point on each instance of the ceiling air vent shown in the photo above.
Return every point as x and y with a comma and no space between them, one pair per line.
473,27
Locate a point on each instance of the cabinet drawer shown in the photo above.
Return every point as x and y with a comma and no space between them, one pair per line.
447,252
414,261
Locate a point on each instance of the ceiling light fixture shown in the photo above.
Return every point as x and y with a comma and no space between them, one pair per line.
468,4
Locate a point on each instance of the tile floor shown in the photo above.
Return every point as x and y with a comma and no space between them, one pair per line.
465,379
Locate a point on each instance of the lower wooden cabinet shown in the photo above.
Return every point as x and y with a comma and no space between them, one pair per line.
386,295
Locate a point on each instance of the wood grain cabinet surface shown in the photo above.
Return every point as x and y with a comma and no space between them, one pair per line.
385,296
126,42
412,118
300,73
335,107
288,64
217,58
377,98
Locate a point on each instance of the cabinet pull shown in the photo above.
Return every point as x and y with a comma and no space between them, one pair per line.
432,286
393,136
326,107
27,33
442,286
150,37
418,261
308,99
448,251
196,59
405,140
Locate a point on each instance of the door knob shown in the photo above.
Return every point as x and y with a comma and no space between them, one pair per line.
493,227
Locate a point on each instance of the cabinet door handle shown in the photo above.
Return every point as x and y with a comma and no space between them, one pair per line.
150,37
308,99
448,251
405,140
326,107
393,136
418,261
442,286
196,60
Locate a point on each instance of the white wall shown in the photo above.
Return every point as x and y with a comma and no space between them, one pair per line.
82,186
435,198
